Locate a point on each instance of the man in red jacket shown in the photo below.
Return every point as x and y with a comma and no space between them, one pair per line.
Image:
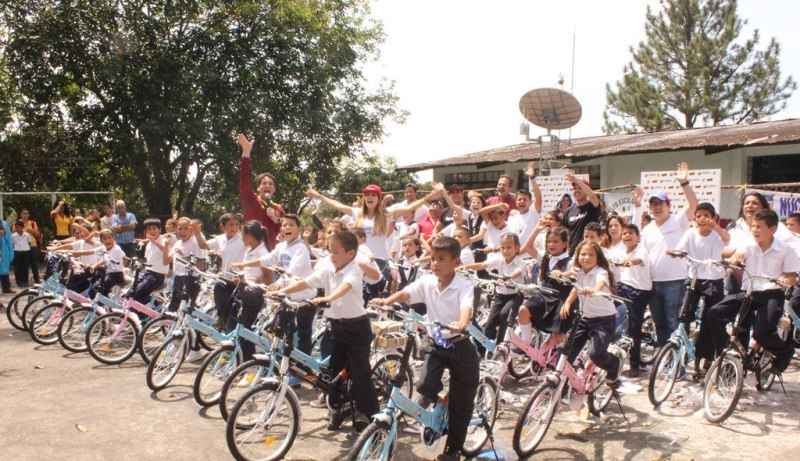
258,206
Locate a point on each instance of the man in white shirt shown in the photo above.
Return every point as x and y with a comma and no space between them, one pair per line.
668,274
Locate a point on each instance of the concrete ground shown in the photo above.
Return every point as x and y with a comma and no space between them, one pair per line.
63,406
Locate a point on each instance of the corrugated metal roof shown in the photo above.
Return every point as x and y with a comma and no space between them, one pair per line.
711,139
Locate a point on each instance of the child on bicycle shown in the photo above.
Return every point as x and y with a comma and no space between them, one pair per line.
593,275
185,247
634,284
506,300
108,271
231,248
251,298
154,276
706,240
769,257
350,332
449,299
291,255
542,309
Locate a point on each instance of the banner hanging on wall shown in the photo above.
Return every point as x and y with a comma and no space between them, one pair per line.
553,188
705,183
783,203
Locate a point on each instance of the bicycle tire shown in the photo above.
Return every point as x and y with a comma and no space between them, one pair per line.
371,443
166,362
41,328
486,404
663,374
240,426
600,397
384,370
211,376
17,305
100,345
726,370
32,307
72,329
153,335
245,377
764,380
539,409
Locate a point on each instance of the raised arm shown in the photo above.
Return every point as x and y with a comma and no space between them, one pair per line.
489,208
534,186
338,206
586,189
401,210
682,177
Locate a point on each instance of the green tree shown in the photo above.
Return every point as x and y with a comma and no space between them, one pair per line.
160,88
692,69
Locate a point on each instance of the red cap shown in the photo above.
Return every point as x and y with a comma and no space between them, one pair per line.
373,188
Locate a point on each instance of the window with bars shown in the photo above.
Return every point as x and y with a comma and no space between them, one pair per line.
771,169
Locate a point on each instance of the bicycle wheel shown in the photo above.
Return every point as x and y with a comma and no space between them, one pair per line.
106,348
43,327
245,377
372,444
166,362
72,329
723,387
153,336
663,374
600,397
764,379
535,418
483,416
259,428
212,374
33,307
386,368
17,305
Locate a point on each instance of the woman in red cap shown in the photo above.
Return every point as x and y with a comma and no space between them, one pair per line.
373,217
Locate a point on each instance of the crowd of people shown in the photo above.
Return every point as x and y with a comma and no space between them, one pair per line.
344,262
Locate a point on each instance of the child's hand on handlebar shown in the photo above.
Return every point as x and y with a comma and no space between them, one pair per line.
458,326
321,300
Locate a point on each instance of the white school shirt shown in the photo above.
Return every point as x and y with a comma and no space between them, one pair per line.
658,239
155,257
419,213
524,224
294,259
364,255
777,260
616,254
555,259
638,276
448,230
497,262
595,306
443,306
187,249
493,234
699,247
231,251
109,256
326,276
90,245
254,272
107,222
741,236
467,257
377,243
21,242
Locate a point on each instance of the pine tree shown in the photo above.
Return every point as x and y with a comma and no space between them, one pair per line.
692,70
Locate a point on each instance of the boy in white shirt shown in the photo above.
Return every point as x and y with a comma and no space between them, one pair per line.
232,249
22,251
766,257
706,241
634,284
449,297
154,276
109,270
185,247
494,225
351,334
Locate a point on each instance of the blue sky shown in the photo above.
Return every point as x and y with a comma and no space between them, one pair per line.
460,67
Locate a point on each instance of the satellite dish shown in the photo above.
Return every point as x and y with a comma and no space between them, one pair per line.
550,108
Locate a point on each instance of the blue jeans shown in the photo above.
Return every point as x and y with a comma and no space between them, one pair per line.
665,305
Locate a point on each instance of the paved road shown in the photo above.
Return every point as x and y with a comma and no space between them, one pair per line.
57,405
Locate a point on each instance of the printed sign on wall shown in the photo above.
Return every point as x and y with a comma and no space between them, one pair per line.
554,187
783,203
620,201
705,183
